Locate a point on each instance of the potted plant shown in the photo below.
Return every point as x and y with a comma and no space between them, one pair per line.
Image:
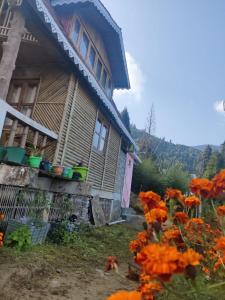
37,206
45,165
14,155
80,172
35,157
57,170
2,152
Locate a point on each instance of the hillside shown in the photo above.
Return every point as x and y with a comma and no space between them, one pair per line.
202,147
167,153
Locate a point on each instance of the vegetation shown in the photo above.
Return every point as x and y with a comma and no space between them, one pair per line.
125,118
181,254
20,239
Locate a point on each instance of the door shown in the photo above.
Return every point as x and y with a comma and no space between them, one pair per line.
127,181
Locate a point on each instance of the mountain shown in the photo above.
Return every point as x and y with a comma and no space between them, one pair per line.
202,147
167,153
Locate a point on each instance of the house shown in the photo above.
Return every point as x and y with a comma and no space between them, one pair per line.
61,60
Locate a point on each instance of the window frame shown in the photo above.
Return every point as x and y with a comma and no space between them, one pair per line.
84,33
100,136
72,31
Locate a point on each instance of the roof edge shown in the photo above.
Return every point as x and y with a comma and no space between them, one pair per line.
105,13
62,39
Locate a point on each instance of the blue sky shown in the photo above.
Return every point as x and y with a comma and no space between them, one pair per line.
176,60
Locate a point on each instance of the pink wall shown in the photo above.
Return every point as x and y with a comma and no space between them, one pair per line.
127,181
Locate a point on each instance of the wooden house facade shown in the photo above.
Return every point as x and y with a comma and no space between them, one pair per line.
60,62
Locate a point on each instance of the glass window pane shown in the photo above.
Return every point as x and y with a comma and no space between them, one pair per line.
31,94
98,127
95,140
15,94
84,45
92,57
75,32
109,88
104,77
104,132
101,144
99,70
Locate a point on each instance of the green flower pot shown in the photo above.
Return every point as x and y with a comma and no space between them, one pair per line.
70,173
66,172
34,161
82,171
2,152
15,155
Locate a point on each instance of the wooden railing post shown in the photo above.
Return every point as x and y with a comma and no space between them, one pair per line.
12,133
24,137
10,51
35,141
44,143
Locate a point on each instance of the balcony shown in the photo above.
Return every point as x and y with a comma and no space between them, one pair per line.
26,126
27,36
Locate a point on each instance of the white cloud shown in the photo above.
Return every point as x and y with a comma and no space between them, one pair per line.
219,106
136,83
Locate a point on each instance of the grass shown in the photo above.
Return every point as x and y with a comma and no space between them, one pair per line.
91,247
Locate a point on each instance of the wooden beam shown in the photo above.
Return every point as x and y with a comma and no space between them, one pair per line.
10,51
24,137
44,143
12,133
35,141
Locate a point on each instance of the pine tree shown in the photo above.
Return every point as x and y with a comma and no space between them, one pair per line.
205,159
125,118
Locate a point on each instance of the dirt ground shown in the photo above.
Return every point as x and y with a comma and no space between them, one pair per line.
55,272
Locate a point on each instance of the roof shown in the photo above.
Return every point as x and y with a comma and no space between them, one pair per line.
51,21
96,12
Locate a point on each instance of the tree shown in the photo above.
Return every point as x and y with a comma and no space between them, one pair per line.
177,178
125,118
205,159
214,165
145,143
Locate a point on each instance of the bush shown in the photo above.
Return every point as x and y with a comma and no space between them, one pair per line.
177,178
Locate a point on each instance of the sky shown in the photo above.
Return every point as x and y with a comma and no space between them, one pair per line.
175,51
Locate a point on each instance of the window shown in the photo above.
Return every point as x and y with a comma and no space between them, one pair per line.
109,88
75,32
100,135
92,56
99,70
84,45
104,77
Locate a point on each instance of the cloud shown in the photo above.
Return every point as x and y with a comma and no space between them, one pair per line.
136,82
219,106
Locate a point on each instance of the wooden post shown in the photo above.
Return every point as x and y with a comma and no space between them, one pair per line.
35,142
12,133
2,121
10,51
44,143
24,137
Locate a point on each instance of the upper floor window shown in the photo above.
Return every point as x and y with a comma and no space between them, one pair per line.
109,88
92,56
75,32
84,44
104,77
99,70
100,136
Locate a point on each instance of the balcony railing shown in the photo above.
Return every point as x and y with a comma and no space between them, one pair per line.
7,111
27,36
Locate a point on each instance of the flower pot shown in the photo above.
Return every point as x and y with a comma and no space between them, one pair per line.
70,173
58,170
34,161
82,171
14,155
2,152
46,166
66,172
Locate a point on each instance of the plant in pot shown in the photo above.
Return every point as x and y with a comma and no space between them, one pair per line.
38,206
57,170
80,172
14,155
35,156
45,165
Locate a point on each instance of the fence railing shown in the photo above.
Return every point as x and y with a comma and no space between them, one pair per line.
7,111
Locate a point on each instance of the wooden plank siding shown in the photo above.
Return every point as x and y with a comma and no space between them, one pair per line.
111,161
79,140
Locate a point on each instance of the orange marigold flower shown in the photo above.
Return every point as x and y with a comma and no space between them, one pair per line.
173,194
192,258
221,210
125,295
220,243
150,199
181,217
134,246
172,234
2,216
156,215
192,201
111,264
201,187
160,261
148,290
218,183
